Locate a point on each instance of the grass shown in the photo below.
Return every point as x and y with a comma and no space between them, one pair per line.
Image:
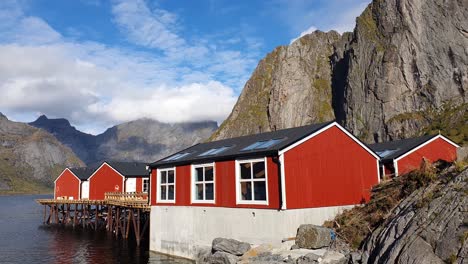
355,224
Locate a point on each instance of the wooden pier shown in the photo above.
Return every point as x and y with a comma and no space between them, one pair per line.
118,213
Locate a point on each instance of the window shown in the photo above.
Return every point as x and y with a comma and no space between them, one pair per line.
203,183
145,185
252,182
177,156
166,185
263,144
214,151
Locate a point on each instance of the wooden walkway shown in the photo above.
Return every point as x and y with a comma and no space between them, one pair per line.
117,213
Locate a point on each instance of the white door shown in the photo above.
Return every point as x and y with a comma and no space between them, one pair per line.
85,190
130,185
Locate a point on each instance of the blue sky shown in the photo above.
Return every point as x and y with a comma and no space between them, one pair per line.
100,63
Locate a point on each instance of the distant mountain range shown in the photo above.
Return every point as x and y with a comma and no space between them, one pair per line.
32,155
30,158
144,140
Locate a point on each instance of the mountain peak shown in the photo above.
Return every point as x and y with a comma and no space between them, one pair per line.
2,116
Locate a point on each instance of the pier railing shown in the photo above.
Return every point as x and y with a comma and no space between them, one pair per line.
137,199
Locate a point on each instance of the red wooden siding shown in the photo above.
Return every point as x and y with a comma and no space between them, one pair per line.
67,184
105,179
437,149
329,169
225,186
139,184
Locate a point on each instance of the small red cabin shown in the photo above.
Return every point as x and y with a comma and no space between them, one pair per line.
71,184
402,156
118,177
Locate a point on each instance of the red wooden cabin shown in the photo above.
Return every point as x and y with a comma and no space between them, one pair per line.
70,183
309,173
118,177
402,156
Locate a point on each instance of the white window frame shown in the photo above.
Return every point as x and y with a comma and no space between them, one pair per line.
158,192
143,185
238,181
194,195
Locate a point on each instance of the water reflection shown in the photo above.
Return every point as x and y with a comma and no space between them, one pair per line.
25,240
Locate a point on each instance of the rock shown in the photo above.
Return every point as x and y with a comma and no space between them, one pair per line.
309,258
333,257
295,247
355,257
221,258
230,246
403,71
429,226
313,237
253,252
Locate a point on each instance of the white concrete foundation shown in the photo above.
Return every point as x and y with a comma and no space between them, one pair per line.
184,230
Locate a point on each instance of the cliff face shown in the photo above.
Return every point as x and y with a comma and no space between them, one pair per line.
429,226
402,72
406,61
30,158
290,87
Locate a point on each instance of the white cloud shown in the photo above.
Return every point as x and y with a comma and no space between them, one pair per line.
95,85
303,33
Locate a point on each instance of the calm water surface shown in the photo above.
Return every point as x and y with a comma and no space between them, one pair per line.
24,239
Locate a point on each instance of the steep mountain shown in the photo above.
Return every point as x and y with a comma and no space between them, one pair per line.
61,128
140,140
402,72
149,140
30,158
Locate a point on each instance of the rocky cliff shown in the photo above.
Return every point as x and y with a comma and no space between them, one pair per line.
30,158
402,72
142,140
429,226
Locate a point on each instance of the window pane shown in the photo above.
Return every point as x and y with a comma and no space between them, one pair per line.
260,191
199,174
199,191
170,176
245,171
170,195
209,173
209,191
259,169
246,191
163,176
163,193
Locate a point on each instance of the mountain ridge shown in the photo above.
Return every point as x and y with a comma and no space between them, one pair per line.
401,73
144,140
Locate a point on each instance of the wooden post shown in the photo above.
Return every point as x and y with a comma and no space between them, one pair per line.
124,223
144,228
96,218
45,213
138,226
75,216
130,216
117,221
56,214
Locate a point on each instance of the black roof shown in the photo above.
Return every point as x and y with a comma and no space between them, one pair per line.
237,145
129,169
82,173
393,149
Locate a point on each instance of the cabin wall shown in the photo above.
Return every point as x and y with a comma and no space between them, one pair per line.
329,169
139,184
67,185
185,230
437,149
225,187
105,179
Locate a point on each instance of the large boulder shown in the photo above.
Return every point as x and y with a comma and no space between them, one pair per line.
230,246
313,237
